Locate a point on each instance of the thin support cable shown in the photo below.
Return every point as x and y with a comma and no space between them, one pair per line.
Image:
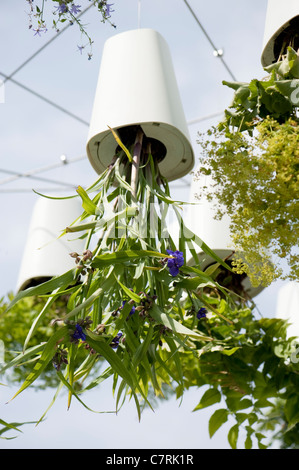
139,13
204,118
39,178
36,171
27,190
38,95
9,77
215,49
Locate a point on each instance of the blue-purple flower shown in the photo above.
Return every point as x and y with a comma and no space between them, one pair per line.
62,8
39,30
78,334
75,9
108,9
115,342
176,262
132,309
202,313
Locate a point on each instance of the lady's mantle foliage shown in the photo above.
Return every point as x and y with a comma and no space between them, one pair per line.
252,161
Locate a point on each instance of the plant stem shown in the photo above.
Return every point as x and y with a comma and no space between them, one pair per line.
136,163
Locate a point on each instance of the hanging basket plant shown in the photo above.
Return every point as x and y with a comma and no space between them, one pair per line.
125,291
133,312
253,158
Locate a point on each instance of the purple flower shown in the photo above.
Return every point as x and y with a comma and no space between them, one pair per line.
39,30
62,8
176,262
202,313
132,310
108,9
75,9
115,342
80,48
78,334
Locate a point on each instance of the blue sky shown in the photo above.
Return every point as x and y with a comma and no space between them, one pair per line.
34,135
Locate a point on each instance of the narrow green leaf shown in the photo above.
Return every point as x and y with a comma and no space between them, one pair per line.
92,298
55,283
23,357
128,291
123,256
112,358
37,321
229,352
87,204
109,219
72,391
9,426
94,383
199,242
176,358
175,326
60,385
121,144
45,358
143,347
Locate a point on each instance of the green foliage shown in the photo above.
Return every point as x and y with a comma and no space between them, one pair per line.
248,377
253,162
276,96
121,314
6,427
16,335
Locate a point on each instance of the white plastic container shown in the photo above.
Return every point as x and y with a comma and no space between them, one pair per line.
278,17
200,218
137,86
287,307
45,255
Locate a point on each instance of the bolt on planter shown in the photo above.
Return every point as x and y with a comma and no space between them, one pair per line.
137,88
281,29
200,218
45,255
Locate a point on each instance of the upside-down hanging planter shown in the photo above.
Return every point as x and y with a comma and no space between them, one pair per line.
45,254
137,87
281,29
201,218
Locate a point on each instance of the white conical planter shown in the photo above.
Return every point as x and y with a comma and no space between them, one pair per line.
137,87
45,255
280,14
287,307
200,218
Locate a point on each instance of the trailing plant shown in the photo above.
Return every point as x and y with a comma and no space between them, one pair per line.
253,162
139,310
124,291
66,11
